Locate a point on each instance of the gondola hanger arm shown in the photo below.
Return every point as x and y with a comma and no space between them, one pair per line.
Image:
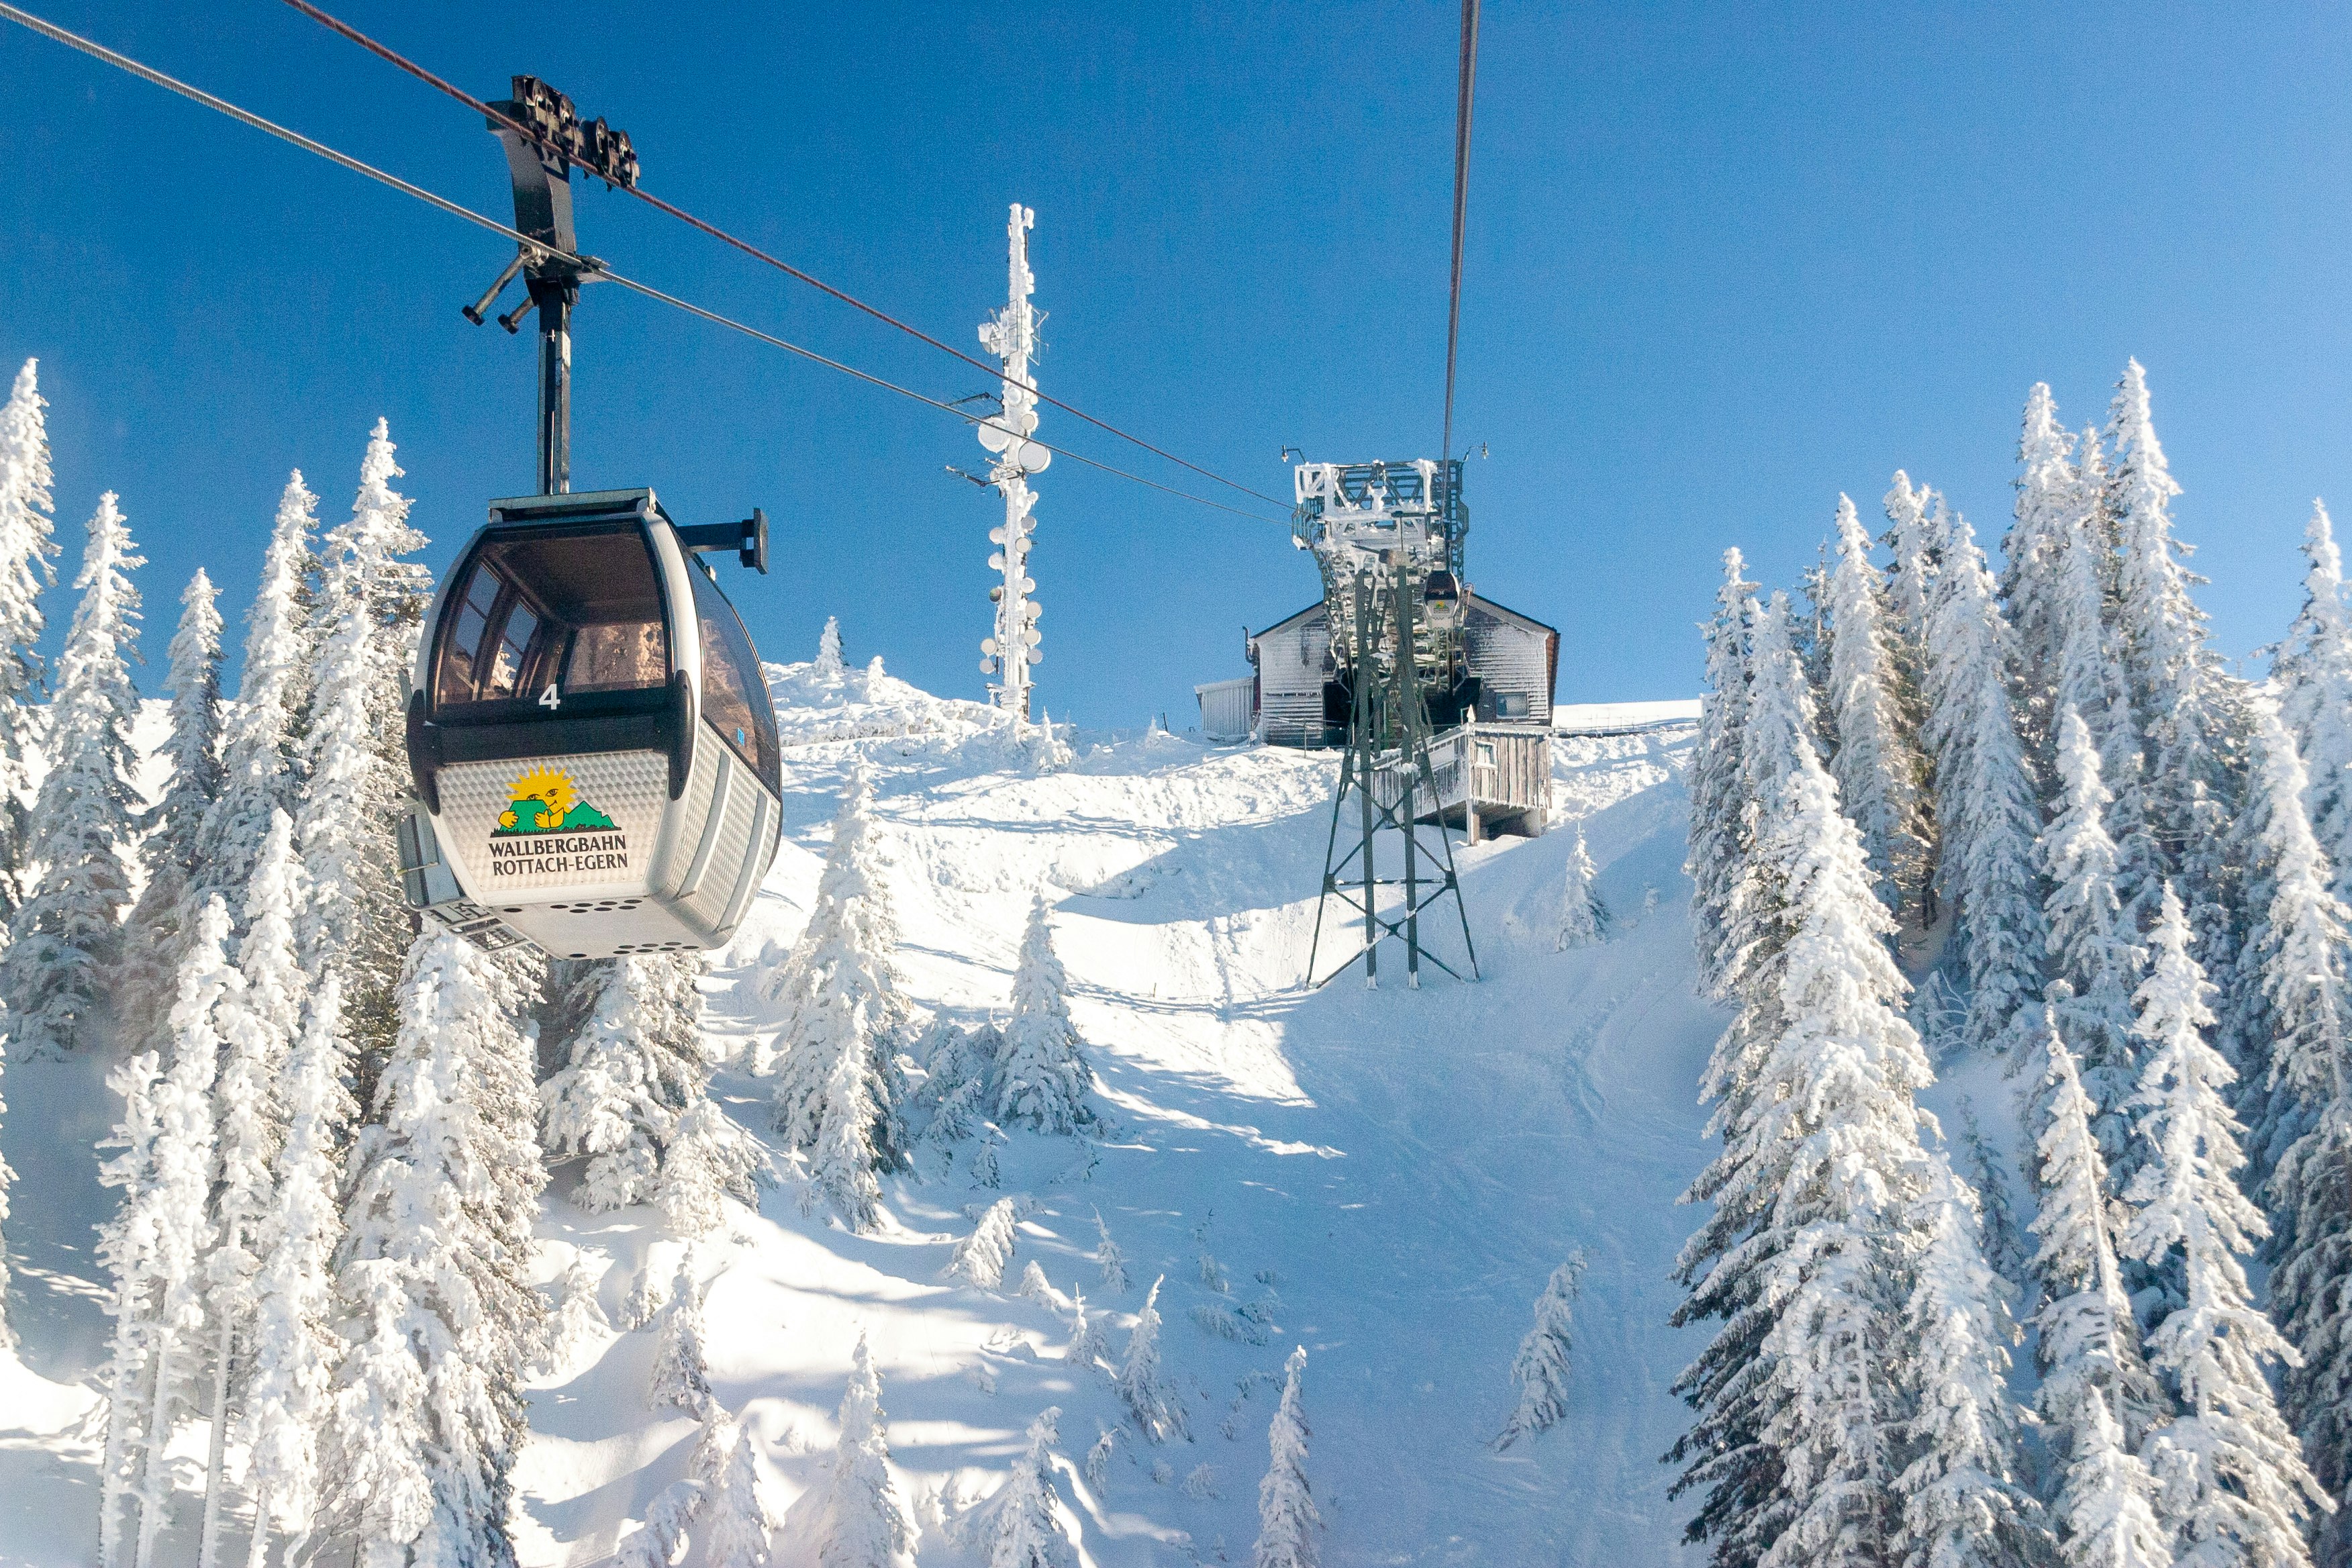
748,537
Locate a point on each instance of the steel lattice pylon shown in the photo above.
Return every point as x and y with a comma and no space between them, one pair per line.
1388,733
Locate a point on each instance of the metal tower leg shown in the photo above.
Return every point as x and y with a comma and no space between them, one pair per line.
1363,740
1410,732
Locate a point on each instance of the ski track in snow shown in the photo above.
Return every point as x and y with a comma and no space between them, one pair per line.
1404,1167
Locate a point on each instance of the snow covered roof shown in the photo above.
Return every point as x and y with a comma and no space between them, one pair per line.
1476,601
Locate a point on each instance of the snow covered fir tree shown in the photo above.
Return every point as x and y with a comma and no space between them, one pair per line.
968,1207
2140,926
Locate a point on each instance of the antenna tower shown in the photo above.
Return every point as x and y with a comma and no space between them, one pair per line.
1012,335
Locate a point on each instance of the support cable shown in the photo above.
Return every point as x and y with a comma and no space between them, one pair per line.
591,268
1467,83
393,56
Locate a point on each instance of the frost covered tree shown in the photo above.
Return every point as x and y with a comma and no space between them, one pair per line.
2313,668
1144,1385
177,882
1025,1532
681,1372
2174,679
1984,793
357,924
1800,1425
866,1523
2089,679
2049,500
845,1021
127,1251
2235,1489
1108,1259
2105,1508
2090,934
154,1246
1583,917
1813,634
1539,1370
67,934
294,1344
2096,1398
2298,962
1717,831
742,1525
27,549
258,1023
1962,1502
7,1176
630,1096
662,1539
1088,1348
1287,1516
1914,539
828,650
257,744
441,1318
1878,767
982,1257
2288,995
2308,1301
183,1164
1042,1077
1779,726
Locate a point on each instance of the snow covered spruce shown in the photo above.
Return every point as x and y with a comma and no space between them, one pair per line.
2121,868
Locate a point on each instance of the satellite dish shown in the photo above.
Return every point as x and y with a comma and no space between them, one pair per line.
1034,458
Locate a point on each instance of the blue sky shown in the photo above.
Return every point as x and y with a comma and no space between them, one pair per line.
1725,261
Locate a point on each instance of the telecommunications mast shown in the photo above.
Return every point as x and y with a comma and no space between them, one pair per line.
1012,335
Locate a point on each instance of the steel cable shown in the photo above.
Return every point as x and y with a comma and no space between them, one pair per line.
393,56
591,268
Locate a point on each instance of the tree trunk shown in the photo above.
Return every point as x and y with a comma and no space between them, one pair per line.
156,1484
121,1400
257,1555
208,1551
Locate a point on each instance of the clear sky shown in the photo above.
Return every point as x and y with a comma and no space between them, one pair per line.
1725,261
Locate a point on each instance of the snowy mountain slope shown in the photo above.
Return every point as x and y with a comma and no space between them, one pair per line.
1389,1176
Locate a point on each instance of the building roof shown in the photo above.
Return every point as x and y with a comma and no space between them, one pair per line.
1478,602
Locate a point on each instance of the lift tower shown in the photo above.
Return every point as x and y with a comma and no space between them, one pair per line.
1387,537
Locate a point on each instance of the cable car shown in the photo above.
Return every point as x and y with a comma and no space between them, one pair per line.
1441,600
592,744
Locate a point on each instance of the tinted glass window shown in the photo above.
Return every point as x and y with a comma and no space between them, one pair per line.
547,616
735,700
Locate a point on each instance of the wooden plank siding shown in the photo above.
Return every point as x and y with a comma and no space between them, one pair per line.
1515,657
1490,778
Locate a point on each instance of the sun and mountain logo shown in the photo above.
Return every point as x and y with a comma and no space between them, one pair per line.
546,801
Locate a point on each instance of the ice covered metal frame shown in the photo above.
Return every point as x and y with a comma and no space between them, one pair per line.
1360,518
1010,334
1387,539
633,826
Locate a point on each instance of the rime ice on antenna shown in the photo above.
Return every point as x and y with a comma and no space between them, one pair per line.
1012,335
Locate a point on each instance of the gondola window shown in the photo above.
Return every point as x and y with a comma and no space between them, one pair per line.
731,677
547,618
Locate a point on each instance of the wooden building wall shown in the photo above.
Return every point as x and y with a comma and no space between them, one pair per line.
1515,657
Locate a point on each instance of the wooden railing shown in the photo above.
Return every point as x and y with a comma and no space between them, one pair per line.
1489,771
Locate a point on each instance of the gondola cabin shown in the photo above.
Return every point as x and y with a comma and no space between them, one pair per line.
593,747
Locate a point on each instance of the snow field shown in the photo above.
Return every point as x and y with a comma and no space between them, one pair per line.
1387,1178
